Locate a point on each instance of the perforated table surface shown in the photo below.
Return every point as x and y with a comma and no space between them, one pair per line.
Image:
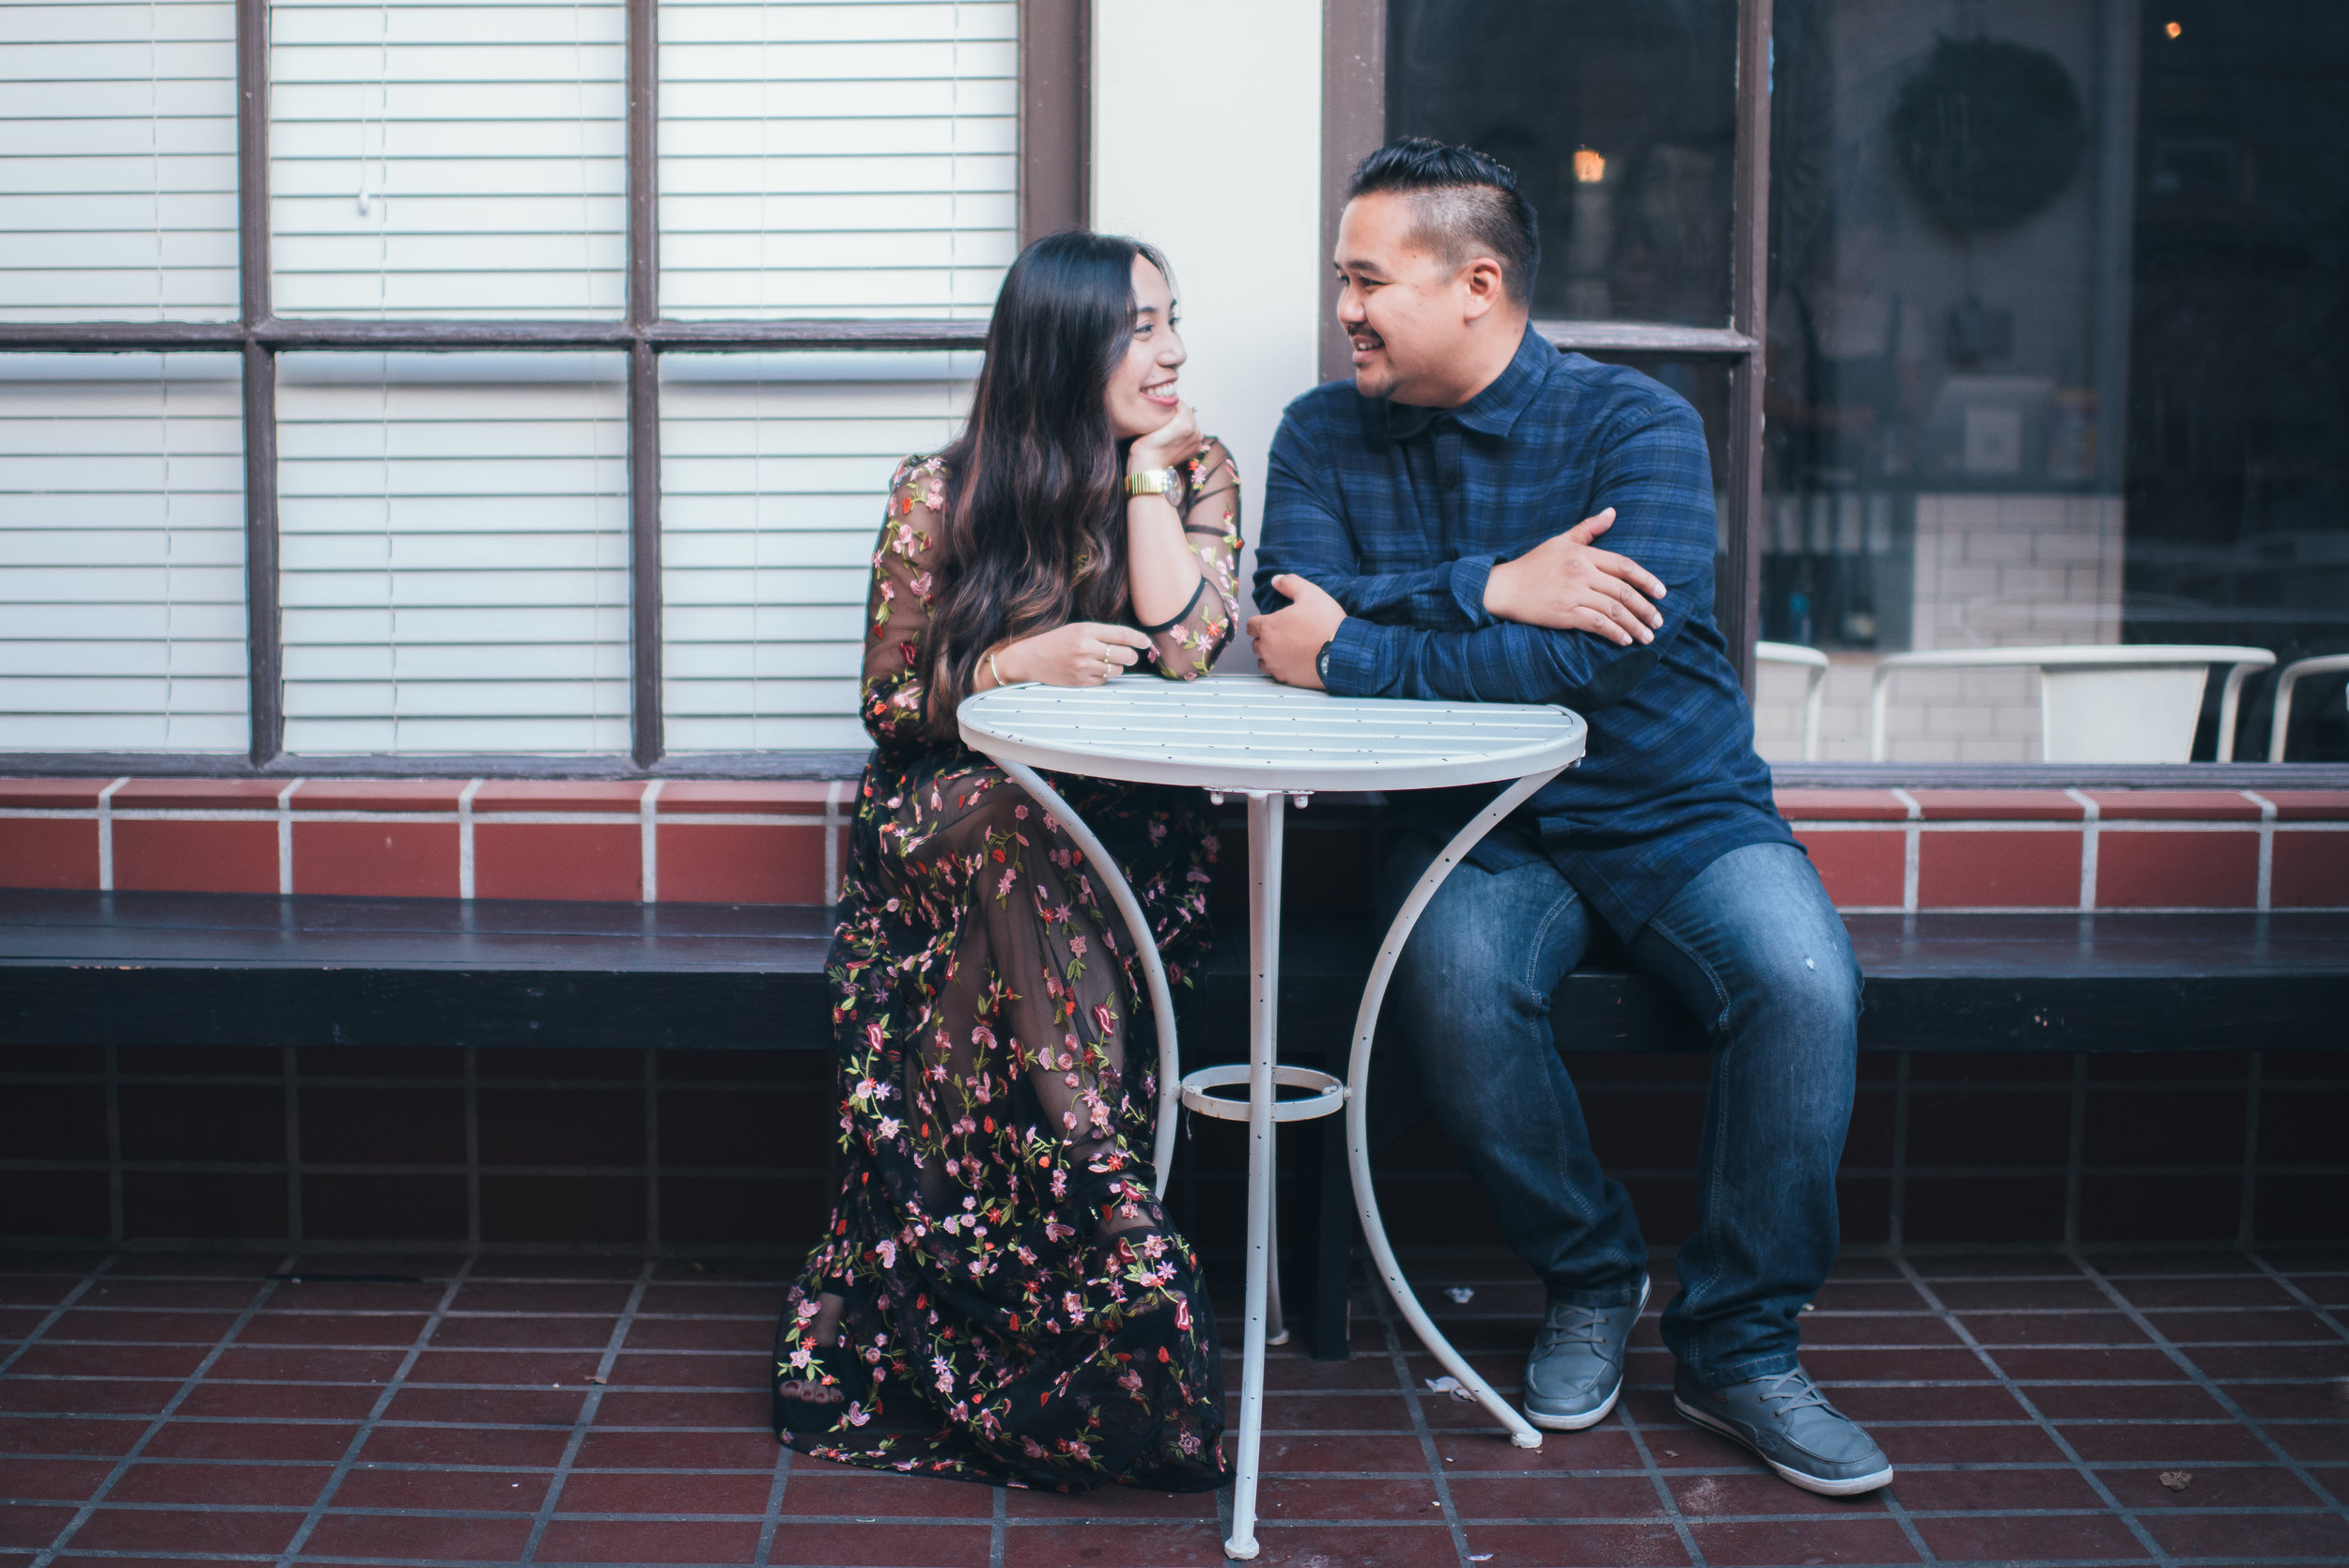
1245,735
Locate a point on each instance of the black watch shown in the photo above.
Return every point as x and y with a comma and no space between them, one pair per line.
1321,663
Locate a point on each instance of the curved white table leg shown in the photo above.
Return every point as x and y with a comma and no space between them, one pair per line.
1521,1432
1145,943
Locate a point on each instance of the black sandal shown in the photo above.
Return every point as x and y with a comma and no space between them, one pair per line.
833,1367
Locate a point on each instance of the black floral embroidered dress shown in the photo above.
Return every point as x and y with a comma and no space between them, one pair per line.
997,1079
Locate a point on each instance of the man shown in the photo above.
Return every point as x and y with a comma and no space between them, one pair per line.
1417,543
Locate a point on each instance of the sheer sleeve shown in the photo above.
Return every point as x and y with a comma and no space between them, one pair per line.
897,608
1186,646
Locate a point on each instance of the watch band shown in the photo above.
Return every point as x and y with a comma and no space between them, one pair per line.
1153,481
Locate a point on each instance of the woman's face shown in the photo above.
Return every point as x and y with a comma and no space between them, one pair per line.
1141,394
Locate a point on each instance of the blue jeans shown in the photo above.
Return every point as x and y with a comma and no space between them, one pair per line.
1753,948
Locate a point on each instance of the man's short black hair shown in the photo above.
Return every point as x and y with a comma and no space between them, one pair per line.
1469,205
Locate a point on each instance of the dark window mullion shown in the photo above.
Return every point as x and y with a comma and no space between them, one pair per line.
265,652
1738,596
643,385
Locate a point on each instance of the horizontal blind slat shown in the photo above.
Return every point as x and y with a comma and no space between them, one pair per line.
454,553
772,489
122,614
117,137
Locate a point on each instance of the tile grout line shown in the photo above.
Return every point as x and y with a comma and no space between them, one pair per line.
106,834
1902,1517
999,1515
391,1387
2267,846
2046,1427
771,1520
648,815
284,840
64,1305
464,836
2299,1294
1400,1360
187,1386
2209,1386
2090,819
586,1417
1673,1515
1911,844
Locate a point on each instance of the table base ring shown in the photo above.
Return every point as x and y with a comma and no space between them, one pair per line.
1327,1099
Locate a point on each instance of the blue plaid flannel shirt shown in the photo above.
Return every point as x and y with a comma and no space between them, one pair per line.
1400,513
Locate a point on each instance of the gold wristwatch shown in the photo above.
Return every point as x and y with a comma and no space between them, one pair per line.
1155,481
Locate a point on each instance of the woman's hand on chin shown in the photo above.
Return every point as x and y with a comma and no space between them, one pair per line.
1083,653
1175,442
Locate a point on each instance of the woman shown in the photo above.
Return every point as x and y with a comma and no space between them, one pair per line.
999,1297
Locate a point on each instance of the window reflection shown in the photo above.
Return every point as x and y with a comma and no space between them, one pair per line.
2056,328
1619,117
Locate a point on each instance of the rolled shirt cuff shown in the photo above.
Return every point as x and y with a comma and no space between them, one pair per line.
1357,658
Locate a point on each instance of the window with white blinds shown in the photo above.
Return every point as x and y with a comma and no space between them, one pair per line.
118,161
452,525
822,159
773,471
448,160
455,552
122,611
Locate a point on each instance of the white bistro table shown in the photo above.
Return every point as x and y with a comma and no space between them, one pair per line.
1244,734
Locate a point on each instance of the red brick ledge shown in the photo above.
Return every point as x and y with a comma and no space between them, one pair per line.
758,842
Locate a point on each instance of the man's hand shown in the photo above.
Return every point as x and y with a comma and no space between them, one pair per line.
1289,640
1567,584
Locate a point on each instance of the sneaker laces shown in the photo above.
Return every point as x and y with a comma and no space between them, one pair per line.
1794,1387
1570,1323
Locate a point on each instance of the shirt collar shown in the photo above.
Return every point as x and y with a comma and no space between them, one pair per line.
1492,412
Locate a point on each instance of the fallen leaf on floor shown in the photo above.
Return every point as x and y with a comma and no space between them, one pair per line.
1449,1385
1480,1557
598,1380
2177,1481
1461,1295
1671,1453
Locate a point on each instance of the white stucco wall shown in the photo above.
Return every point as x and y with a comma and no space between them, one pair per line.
1213,154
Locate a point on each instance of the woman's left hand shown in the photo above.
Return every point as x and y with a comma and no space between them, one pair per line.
1175,442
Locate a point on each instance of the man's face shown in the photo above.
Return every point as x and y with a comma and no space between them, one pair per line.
1407,314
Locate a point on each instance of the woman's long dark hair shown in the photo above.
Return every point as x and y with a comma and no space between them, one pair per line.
1035,521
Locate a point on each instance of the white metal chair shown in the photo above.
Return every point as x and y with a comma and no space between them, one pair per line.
1813,695
2133,703
2325,664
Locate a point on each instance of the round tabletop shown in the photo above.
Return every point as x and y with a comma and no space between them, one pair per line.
1245,731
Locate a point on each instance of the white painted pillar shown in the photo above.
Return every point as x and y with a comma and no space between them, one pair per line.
1206,143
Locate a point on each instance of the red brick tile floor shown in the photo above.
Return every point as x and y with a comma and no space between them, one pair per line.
2041,1410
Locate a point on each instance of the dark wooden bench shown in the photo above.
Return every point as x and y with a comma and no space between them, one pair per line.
121,968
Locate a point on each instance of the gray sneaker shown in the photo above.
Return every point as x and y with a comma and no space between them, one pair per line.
1787,1422
1575,1373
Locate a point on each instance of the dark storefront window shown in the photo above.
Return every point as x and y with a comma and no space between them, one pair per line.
2057,333
1619,119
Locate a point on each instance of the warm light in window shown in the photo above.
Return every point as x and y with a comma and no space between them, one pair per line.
1589,167
2175,29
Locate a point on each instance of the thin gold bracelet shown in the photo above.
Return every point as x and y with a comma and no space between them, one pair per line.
993,671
